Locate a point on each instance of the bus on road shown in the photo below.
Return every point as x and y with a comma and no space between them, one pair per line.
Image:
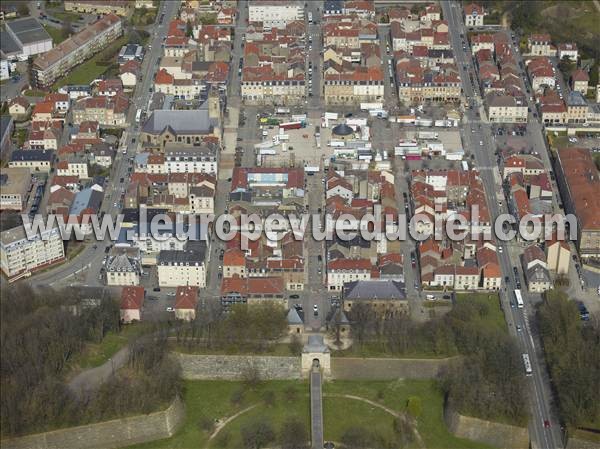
310,19
519,299
527,364
138,116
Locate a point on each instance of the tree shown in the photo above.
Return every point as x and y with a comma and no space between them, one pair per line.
23,9
251,376
566,67
189,29
268,398
357,438
67,29
295,345
257,434
414,406
293,434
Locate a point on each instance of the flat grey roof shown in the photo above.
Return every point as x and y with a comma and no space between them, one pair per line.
28,30
8,45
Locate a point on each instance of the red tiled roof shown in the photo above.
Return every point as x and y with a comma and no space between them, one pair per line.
132,298
350,264
186,297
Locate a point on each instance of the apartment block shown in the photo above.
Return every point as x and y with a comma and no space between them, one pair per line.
57,62
20,256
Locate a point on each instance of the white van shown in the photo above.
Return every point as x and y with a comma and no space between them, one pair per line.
430,298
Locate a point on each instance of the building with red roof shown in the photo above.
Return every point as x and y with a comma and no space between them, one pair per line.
132,302
186,303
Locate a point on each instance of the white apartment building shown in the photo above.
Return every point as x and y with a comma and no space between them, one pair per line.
20,255
506,109
341,271
275,13
72,168
122,270
191,160
56,63
181,268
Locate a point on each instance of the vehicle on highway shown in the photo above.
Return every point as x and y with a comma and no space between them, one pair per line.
519,299
527,364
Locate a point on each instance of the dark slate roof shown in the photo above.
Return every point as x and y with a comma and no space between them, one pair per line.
32,155
187,121
181,257
369,290
293,317
342,130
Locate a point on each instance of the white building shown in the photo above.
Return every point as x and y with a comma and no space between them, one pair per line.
474,15
29,36
341,271
191,160
122,270
275,13
20,255
181,268
4,70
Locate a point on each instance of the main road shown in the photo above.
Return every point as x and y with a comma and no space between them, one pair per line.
85,267
478,131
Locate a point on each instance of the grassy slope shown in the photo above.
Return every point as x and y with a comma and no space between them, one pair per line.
211,399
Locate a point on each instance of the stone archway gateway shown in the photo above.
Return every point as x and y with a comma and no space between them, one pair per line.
315,351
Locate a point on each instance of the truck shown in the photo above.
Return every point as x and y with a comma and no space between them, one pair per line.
299,118
281,111
290,125
380,113
369,106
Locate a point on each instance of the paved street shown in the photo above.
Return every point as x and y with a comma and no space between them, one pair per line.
85,267
480,131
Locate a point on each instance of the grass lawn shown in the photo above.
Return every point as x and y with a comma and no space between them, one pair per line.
34,93
55,33
212,400
494,316
95,354
394,395
21,136
65,16
92,68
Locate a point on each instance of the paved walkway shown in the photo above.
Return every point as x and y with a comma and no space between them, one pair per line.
316,409
92,378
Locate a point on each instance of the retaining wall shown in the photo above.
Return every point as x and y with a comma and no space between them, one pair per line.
108,434
232,367
495,434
